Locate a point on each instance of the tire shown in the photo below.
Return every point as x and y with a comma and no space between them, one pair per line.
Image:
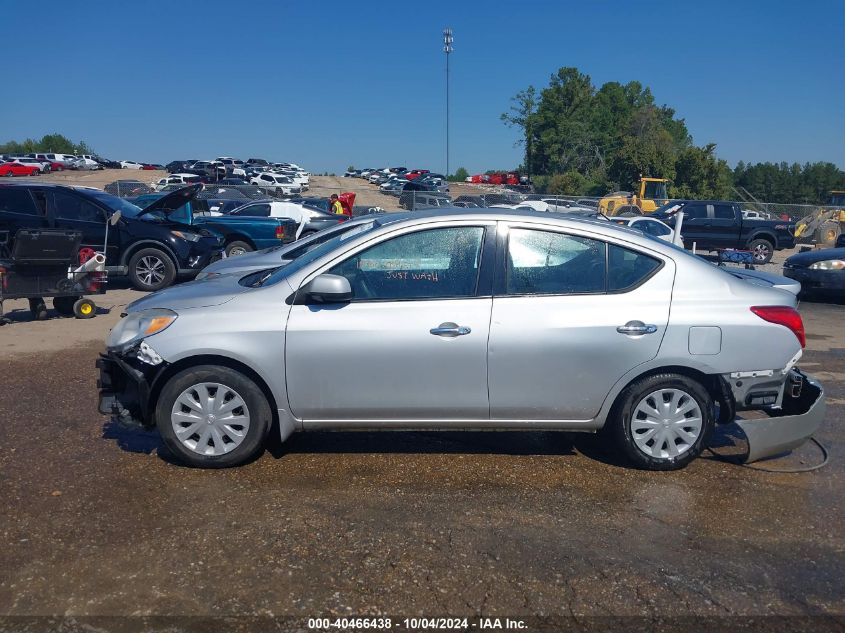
151,269
178,407
763,250
828,233
84,309
64,305
233,249
631,426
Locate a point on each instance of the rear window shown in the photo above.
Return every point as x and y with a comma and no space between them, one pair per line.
16,200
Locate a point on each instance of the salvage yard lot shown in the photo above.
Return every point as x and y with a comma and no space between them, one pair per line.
99,521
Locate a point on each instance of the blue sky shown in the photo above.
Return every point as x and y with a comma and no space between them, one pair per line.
326,84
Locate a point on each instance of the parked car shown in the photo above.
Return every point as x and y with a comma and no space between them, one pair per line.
309,219
150,248
43,165
651,226
177,179
284,254
127,188
590,324
240,234
107,163
821,270
178,166
86,164
716,224
13,168
276,183
130,164
55,165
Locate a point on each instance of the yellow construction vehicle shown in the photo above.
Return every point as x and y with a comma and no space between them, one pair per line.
824,225
652,194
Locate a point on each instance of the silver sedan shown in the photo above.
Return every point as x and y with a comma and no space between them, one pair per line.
467,319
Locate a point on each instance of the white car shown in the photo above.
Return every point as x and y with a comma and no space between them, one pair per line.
176,179
298,177
276,182
653,227
130,164
86,163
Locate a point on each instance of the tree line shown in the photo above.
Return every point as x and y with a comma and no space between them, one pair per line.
54,143
587,141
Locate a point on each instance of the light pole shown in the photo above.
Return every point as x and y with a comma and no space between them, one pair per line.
447,48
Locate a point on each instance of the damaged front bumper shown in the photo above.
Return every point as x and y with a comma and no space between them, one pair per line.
788,426
125,384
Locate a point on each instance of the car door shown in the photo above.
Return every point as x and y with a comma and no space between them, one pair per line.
725,225
572,313
71,211
18,210
696,226
411,345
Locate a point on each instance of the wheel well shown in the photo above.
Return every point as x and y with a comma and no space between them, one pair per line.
130,252
238,238
764,236
713,383
207,359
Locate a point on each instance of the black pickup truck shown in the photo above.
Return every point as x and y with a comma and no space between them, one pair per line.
715,224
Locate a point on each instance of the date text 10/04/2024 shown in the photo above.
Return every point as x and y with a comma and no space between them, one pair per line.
416,624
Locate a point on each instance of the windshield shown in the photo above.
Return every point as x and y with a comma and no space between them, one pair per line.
655,190
127,209
837,199
308,256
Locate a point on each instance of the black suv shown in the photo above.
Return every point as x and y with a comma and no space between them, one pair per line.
151,249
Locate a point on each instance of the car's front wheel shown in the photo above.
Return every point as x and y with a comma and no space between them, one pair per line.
663,422
150,269
213,417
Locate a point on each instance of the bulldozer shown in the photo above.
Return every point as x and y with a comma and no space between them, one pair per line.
652,194
825,225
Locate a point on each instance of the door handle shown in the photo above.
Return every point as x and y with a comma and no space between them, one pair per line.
450,330
635,328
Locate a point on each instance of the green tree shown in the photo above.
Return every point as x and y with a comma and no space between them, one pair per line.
523,107
699,174
460,175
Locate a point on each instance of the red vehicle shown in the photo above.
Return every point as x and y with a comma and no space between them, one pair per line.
56,166
149,167
496,179
416,173
17,169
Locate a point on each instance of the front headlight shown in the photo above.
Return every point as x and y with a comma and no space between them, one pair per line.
182,235
828,264
140,325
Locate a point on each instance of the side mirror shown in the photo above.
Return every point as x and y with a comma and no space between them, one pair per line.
115,217
328,289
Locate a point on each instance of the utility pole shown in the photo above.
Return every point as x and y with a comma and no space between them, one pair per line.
447,48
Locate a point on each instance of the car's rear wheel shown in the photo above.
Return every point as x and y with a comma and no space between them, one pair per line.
663,422
213,417
150,269
233,249
762,250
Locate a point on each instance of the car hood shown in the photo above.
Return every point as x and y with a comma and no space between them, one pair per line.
194,294
173,200
248,262
802,260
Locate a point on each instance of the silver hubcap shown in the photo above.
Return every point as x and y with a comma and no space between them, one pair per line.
237,251
761,252
150,270
666,423
210,418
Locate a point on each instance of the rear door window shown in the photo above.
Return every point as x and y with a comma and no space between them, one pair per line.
16,200
627,269
545,262
723,212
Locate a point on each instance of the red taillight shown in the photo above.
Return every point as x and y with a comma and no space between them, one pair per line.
280,232
783,315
